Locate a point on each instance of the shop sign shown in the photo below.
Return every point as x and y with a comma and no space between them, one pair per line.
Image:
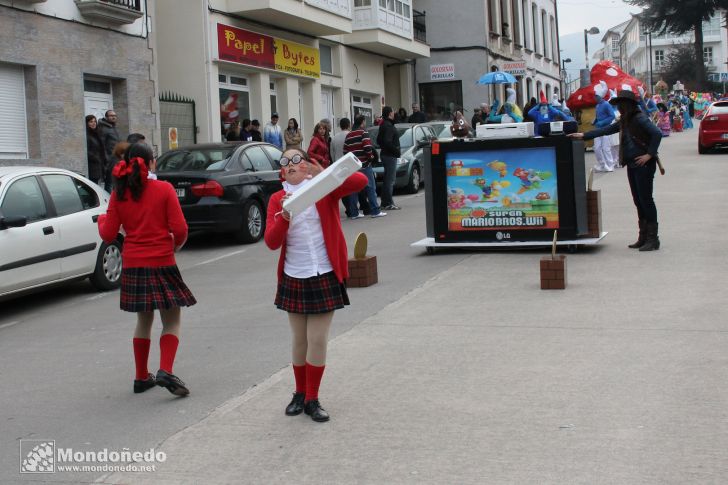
172,138
439,72
253,49
517,68
298,59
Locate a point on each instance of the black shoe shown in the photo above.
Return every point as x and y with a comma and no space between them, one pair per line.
295,407
148,383
173,383
313,408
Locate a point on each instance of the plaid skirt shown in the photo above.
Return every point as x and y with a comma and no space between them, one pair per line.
149,289
318,294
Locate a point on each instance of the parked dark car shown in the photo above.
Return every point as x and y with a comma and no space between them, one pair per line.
224,187
413,139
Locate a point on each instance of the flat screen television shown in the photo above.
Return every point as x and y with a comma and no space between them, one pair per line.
506,190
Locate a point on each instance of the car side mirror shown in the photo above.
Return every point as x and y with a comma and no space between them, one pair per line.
13,221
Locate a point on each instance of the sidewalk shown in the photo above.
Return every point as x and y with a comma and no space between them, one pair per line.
480,377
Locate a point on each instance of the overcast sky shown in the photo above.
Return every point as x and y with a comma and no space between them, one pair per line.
577,15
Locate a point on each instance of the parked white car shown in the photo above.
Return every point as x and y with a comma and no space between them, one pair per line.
48,231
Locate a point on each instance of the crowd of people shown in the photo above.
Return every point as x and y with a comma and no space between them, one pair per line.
104,147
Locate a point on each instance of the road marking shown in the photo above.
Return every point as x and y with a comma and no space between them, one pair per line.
223,256
96,297
6,325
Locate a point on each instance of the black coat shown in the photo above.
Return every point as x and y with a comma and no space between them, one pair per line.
109,136
388,139
417,117
96,155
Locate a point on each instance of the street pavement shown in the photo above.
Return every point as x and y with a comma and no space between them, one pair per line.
464,372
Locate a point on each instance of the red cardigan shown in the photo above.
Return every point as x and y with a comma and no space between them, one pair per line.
154,225
276,227
318,150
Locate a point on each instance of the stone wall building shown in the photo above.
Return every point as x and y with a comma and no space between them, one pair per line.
63,59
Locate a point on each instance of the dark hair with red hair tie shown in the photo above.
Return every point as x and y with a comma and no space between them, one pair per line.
131,173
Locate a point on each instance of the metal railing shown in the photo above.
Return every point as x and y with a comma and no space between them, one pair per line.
130,4
419,26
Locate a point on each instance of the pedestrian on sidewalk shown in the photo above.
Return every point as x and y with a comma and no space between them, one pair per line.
388,141
95,151
358,142
639,141
318,147
293,135
312,268
155,228
272,132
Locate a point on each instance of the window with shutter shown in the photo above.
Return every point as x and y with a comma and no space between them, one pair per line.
13,124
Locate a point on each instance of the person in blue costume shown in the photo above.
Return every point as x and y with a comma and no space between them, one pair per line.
545,113
604,117
511,111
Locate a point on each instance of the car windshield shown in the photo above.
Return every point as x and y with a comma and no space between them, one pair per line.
405,136
195,160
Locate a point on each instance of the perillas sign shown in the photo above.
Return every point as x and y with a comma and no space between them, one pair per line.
253,49
442,71
517,68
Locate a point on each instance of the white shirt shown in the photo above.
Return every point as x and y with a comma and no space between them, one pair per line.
306,254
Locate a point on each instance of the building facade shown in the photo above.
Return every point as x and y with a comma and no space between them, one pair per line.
304,59
610,44
63,59
516,36
643,53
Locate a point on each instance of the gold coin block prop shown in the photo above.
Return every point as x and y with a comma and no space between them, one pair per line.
362,268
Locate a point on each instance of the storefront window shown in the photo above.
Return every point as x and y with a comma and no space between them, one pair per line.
234,100
440,100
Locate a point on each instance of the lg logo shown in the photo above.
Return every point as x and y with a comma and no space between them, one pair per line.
502,235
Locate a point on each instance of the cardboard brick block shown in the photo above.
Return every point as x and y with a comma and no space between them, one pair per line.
362,272
594,213
553,272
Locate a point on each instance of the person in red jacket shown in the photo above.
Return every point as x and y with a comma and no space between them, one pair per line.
312,269
318,148
155,228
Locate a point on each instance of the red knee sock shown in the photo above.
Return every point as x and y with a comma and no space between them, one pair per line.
141,355
299,372
313,380
168,349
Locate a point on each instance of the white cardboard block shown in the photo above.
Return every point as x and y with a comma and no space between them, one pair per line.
322,184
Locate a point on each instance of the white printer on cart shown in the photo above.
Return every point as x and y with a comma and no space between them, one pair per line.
504,130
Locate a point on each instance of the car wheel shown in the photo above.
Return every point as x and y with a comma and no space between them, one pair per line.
252,224
415,178
702,149
107,275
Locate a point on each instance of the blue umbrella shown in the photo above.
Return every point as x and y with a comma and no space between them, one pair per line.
497,77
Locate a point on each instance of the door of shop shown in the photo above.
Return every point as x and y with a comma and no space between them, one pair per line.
97,97
439,100
362,105
327,107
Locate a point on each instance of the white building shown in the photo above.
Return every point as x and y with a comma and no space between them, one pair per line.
610,44
635,48
305,59
517,36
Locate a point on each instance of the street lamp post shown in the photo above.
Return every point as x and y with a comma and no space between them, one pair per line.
563,76
592,31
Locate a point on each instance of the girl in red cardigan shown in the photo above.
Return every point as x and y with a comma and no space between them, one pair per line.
155,228
318,148
312,269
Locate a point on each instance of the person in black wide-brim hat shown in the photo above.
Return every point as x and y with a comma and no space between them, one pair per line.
639,141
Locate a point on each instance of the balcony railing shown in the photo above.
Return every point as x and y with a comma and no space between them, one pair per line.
130,4
114,11
419,26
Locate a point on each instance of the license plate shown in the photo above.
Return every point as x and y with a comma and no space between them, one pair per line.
180,193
